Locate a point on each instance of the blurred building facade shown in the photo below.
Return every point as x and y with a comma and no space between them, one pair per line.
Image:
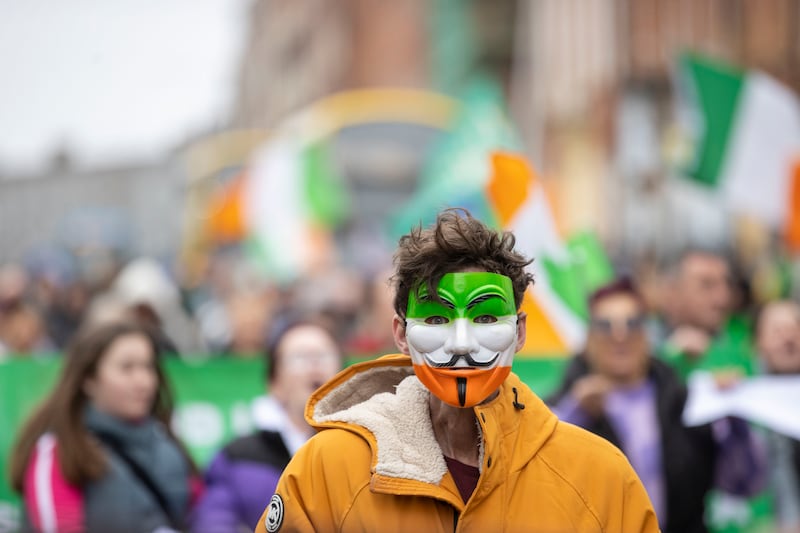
301,51
588,84
124,211
592,92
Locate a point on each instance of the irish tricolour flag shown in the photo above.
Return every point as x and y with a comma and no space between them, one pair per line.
517,199
479,166
746,131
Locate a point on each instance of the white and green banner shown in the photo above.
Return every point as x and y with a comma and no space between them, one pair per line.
213,399
213,405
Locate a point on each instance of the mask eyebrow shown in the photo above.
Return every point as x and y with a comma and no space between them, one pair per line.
447,303
482,298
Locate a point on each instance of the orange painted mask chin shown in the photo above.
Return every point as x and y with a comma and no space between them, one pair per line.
462,387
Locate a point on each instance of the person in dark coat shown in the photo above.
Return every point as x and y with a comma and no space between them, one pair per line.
301,356
617,390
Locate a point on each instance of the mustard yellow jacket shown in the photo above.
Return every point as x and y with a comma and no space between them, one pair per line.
375,466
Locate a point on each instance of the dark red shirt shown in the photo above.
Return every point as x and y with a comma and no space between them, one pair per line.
465,476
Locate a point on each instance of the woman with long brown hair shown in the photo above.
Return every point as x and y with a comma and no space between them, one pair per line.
98,454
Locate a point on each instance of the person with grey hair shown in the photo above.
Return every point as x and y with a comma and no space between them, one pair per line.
696,331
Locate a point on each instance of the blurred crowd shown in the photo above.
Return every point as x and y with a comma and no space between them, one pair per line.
654,327
231,307
52,292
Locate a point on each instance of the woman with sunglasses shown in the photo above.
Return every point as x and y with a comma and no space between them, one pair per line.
617,390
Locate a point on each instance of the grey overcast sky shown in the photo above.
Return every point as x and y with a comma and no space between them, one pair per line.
113,81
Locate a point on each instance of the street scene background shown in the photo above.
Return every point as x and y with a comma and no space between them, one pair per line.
216,164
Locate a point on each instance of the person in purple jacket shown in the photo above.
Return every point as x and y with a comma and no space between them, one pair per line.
617,390
301,356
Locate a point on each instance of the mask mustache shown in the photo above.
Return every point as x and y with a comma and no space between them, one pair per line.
468,358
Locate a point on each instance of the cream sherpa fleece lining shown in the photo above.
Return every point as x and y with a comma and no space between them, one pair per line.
399,419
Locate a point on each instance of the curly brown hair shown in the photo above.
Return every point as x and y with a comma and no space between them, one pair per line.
456,242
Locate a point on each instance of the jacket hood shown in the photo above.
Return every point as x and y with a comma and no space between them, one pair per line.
383,401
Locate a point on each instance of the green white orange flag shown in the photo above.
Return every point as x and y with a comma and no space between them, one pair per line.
565,271
478,166
293,198
746,137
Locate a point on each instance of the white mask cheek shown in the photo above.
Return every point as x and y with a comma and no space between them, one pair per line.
500,337
425,339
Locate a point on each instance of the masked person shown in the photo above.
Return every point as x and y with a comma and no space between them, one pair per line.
449,439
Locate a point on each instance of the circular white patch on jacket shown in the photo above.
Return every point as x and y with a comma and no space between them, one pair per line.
274,518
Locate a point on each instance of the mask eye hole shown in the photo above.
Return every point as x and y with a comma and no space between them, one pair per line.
485,319
436,320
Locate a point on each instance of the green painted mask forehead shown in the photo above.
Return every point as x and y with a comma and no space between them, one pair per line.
465,293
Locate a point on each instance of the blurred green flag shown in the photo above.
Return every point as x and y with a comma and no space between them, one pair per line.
587,269
458,168
744,130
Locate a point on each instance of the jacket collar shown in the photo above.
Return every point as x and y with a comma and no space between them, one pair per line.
384,402
389,407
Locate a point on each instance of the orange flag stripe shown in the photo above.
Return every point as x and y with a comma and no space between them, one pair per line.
541,338
509,185
225,221
792,230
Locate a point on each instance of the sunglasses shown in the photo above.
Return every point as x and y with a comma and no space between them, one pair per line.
606,326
